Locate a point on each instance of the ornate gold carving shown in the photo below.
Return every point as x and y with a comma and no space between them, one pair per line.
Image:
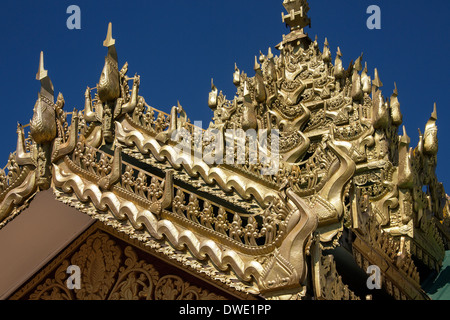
287,268
167,196
112,100
339,146
43,124
430,135
374,247
327,282
109,272
226,179
115,175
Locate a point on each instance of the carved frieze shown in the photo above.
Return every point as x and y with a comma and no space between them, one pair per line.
112,270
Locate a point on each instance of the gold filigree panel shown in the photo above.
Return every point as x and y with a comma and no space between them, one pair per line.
111,269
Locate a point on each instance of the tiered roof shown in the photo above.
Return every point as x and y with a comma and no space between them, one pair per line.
342,172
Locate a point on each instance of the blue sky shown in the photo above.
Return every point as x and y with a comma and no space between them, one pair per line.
177,46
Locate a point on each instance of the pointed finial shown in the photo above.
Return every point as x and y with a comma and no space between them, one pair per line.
358,63
246,91
395,90
326,55
396,114
236,76
377,82
262,57
212,98
405,139
434,114
420,143
338,68
109,41
430,144
366,81
257,65
42,73
405,174
269,53
42,76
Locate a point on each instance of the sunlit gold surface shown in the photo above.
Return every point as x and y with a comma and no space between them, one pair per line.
343,168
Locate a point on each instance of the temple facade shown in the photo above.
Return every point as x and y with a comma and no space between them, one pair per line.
301,188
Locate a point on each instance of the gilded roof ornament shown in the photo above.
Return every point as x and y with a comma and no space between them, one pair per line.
236,76
269,54
339,162
376,81
326,55
420,143
396,114
42,75
212,99
366,81
405,171
109,41
405,139
43,123
108,87
358,63
297,14
430,135
113,98
357,93
338,68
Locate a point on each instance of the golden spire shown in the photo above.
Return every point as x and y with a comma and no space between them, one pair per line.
366,81
405,139
405,173
108,87
396,115
257,66
430,134
109,41
43,125
358,63
434,114
42,73
46,84
212,99
377,82
297,14
236,76
338,68
357,93
326,55
269,54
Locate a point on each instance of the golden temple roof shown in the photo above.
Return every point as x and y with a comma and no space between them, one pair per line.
342,172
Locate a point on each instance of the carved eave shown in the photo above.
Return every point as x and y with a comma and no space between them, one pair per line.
179,227
135,138
164,250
